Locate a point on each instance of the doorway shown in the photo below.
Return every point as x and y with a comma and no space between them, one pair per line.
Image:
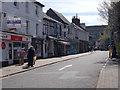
10,51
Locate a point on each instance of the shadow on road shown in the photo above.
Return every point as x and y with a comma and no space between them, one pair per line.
110,62
101,62
113,61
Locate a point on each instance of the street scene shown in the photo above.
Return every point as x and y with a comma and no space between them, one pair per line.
59,44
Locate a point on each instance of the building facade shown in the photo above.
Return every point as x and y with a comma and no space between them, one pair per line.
95,34
51,32
78,37
61,44
73,38
21,21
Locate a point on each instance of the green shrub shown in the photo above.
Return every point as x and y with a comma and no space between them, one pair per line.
118,47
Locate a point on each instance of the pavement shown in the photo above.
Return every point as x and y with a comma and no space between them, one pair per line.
108,77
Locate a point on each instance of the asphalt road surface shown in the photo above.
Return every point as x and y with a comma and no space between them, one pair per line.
82,72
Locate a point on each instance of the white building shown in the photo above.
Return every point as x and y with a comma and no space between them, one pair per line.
21,21
78,37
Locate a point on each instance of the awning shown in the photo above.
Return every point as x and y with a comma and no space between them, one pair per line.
51,37
63,42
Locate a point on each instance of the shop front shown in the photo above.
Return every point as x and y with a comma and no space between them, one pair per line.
50,46
62,48
10,45
74,47
38,45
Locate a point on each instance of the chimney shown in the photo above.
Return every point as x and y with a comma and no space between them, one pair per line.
76,20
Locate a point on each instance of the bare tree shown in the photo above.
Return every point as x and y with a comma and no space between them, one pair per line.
110,12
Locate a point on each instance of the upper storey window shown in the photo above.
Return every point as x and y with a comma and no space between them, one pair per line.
15,3
36,10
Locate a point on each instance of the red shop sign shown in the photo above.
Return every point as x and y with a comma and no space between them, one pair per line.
16,38
3,45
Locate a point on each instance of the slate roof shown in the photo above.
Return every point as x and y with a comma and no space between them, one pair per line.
60,16
45,16
77,27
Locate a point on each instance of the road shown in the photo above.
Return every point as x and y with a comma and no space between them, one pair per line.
81,72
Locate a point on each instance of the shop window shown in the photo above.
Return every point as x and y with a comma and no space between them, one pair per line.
25,45
17,48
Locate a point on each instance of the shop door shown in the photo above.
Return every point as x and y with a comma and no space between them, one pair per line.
10,51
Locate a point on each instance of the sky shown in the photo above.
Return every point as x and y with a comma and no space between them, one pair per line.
86,10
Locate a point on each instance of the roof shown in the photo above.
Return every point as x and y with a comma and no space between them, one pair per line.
60,16
38,3
45,16
77,27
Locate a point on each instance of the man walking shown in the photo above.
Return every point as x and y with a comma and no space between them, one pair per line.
30,56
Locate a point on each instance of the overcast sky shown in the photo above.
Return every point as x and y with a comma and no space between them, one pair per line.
86,9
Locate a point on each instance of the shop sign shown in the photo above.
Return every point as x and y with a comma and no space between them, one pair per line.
3,45
4,36
16,38
12,29
13,21
26,39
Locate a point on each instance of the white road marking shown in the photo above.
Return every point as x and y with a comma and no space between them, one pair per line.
106,63
65,67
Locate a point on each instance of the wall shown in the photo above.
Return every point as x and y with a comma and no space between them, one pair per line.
20,11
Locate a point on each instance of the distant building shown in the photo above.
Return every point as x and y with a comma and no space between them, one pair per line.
95,32
81,36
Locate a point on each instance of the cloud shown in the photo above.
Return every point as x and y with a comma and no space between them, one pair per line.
87,9
88,20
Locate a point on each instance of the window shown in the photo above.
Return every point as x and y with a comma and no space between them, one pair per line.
15,3
27,26
4,14
0,20
60,30
69,31
36,29
44,29
64,26
36,10
64,34
26,6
